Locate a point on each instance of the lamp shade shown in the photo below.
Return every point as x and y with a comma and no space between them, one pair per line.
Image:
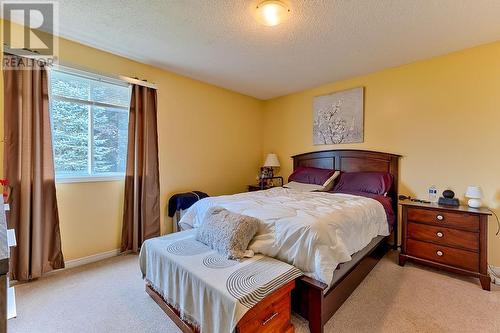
272,161
474,192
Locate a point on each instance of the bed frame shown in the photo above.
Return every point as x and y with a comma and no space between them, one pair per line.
309,299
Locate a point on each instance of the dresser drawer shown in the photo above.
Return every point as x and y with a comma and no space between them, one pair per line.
274,318
446,219
443,254
444,236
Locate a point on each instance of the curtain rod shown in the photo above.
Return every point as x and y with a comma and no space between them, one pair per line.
8,50
111,76
130,80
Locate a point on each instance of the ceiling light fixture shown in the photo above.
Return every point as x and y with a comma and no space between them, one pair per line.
272,12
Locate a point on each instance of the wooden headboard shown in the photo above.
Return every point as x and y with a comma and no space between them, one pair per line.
349,160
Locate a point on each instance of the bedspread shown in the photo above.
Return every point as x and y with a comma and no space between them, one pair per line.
314,231
210,292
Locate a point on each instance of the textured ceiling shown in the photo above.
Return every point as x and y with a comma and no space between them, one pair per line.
220,42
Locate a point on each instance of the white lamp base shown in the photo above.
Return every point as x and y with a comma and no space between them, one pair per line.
474,203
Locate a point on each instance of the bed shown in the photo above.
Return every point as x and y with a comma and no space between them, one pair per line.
314,300
302,229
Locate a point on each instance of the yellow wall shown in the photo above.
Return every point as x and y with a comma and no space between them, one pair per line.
209,140
442,115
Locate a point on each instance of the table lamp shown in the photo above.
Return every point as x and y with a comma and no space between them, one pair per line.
474,194
271,162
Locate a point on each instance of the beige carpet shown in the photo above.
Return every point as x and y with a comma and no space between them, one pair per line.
109,297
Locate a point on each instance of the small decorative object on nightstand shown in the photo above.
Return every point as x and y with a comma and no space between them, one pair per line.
450,238
474,194
448,199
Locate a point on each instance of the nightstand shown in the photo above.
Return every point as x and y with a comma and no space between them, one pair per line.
449,238
258,187
252,188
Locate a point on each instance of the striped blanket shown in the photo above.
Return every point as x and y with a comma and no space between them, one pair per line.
210,292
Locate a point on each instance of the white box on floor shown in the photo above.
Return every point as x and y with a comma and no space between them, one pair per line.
11,303
11,237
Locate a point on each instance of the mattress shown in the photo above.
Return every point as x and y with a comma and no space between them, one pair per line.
344,268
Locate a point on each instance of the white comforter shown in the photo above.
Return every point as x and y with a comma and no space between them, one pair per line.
312,231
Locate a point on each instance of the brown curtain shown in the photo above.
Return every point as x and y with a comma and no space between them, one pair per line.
141,216
29,167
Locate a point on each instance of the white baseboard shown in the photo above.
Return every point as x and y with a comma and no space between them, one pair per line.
89,259
78,262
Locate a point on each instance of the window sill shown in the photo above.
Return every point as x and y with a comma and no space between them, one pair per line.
89,179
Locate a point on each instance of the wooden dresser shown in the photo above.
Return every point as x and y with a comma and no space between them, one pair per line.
450,238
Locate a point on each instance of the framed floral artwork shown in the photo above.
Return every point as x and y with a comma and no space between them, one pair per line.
338,117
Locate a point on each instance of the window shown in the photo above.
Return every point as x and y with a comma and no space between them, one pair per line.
89,116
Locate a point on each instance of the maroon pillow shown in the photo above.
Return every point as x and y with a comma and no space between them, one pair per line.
369,182
309,175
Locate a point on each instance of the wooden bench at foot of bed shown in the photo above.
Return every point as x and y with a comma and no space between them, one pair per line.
271,315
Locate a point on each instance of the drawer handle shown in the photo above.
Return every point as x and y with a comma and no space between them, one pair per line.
439,253
439,234
271,317
440,217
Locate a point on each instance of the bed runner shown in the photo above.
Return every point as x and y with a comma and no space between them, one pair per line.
210,292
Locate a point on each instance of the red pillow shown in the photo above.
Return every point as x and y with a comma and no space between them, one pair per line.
369,182
309,175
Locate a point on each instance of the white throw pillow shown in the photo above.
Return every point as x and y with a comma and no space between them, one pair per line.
228,233
328,184
303,187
